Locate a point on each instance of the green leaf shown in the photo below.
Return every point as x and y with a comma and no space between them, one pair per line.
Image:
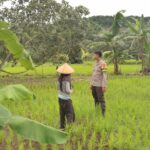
26,60
12,43
146,47
15,92
4,116
132,28
138,25
116,23
36,131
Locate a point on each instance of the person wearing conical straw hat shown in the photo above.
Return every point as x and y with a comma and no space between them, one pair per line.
64,95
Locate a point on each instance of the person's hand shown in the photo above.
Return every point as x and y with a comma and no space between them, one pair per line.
103,89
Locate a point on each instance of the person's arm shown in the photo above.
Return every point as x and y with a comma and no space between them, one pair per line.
104,76
68,88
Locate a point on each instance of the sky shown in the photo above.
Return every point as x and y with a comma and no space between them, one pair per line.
110,7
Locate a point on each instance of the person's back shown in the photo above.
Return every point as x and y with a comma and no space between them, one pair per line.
64,95
64,88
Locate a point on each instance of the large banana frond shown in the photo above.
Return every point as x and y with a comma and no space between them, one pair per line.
15,92
132,27
116,23
12,43
109,56
30,129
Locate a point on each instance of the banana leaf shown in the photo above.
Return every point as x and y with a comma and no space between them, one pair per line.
12,43
30,129
146,47
36,131
15,92
26,60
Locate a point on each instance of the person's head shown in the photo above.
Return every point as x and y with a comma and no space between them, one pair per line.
97,55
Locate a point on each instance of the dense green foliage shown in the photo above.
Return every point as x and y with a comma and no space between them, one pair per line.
48,28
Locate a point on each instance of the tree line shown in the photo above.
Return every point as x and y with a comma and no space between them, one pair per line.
55,32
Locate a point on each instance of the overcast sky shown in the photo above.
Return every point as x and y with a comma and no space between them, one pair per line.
110,7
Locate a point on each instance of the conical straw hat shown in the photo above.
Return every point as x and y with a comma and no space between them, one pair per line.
65,69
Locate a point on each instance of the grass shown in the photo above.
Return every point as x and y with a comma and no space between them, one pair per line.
85,69
125,127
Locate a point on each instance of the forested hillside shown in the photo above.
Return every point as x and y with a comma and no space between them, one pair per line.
106,21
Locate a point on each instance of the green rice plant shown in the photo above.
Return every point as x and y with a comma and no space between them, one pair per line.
43,147
125,126
111,141
21,146
79,146
30,145
68,147
84,137
55,147
2,136
92,141
8,141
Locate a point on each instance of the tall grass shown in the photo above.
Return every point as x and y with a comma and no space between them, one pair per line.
85,69
125,127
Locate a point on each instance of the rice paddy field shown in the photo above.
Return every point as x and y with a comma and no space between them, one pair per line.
126,125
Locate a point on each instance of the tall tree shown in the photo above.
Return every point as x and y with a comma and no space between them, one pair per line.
48,27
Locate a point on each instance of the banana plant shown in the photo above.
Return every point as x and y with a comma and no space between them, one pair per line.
120,56
30,129
15,48
111,40
16,92
141,41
